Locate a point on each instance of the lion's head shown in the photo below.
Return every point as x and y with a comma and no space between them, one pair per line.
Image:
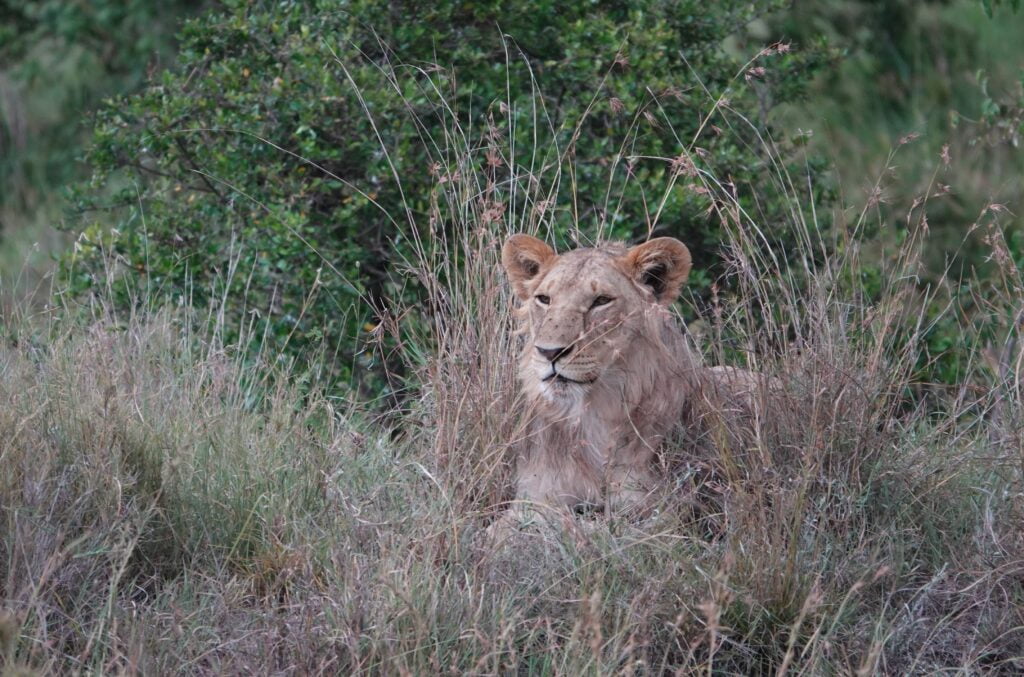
590,313
606,372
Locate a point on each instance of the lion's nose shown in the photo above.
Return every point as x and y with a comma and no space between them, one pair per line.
554,354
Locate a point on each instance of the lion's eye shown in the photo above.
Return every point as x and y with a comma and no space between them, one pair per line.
601,301
542,299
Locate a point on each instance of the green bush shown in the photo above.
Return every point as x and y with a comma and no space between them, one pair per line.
292,161
59,60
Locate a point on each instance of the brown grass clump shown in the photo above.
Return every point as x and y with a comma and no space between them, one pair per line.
171,504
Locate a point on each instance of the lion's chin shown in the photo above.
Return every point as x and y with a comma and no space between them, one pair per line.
564,391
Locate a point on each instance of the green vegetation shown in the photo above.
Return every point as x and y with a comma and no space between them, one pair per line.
313,196
295,161
58,60
943,81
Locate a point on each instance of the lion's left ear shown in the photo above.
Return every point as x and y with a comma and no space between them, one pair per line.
523,257
661,265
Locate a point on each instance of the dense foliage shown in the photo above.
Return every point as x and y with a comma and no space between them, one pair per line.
289,161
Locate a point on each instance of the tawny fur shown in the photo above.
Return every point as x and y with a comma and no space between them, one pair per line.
593,432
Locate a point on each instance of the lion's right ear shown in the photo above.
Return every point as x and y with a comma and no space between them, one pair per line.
523,256
661,265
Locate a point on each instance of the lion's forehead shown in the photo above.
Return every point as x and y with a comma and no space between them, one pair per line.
586,271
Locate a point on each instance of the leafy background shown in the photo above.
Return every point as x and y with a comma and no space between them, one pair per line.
244,156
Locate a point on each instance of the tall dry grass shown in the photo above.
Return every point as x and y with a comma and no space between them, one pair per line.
171,504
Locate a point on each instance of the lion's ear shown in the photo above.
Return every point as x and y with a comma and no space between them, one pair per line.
523,256
661,265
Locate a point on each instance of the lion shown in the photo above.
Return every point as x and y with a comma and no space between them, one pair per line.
605,371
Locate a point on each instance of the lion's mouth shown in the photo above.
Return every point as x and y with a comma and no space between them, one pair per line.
561,378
